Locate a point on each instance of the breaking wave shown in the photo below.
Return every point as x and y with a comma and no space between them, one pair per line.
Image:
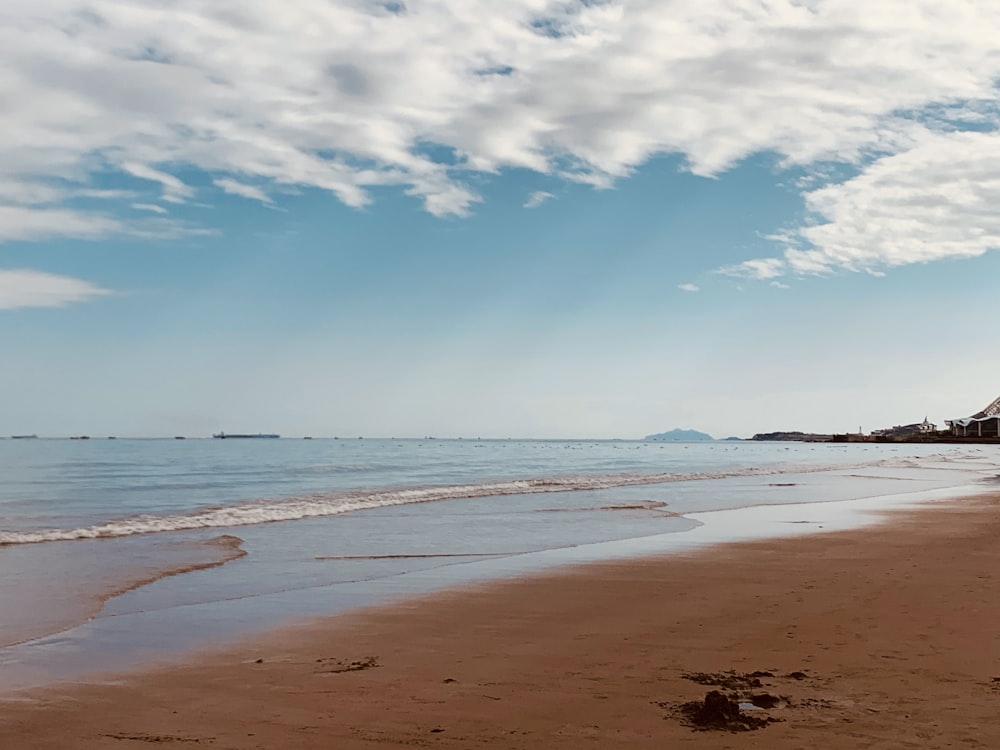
296,507
85,598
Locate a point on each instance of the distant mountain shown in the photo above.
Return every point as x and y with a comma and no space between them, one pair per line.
681,436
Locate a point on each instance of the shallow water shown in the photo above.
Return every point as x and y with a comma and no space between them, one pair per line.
375,519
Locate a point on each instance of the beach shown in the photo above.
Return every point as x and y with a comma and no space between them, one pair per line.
880,637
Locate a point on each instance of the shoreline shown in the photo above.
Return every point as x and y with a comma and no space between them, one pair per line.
890,626
124,638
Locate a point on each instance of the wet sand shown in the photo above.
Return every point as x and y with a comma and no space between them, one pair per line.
885,637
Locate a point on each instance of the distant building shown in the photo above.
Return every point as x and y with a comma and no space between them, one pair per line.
982,424
906,430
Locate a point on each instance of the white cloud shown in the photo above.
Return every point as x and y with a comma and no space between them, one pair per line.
22,288
31,223
689,287
45,222
29,193
149,207
759,268
934,201
174,190
37,193
537,198
779,285
246,191
347,95
106,195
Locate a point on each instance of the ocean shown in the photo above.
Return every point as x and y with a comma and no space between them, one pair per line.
115,553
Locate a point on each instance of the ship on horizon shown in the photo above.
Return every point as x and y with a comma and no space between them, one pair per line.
224,436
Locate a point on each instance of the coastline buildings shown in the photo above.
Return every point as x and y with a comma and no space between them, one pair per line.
982,424
906,430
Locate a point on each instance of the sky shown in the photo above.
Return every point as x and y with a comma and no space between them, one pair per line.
463,218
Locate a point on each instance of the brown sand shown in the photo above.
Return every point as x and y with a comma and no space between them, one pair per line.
893,631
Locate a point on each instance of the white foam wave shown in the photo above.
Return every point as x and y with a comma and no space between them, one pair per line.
298,507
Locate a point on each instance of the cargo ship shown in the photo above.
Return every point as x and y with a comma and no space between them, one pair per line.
224,436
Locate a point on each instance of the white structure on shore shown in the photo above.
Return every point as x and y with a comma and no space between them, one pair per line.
982,424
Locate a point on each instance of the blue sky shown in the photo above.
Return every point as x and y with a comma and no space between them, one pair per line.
546,219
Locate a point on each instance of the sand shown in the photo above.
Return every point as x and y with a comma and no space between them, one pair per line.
885,637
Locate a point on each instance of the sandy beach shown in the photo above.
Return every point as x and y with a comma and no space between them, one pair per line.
884,637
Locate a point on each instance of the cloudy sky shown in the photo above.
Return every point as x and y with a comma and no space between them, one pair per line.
562,218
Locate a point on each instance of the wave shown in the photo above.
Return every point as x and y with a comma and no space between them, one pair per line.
297,507
85,599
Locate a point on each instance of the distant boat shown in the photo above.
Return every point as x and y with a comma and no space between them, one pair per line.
80,437
23,437
223,436
179,437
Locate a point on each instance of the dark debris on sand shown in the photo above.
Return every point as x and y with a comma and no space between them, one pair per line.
336,666
720,712
730,680
721,709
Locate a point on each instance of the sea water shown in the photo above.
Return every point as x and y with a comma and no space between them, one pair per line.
117,551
